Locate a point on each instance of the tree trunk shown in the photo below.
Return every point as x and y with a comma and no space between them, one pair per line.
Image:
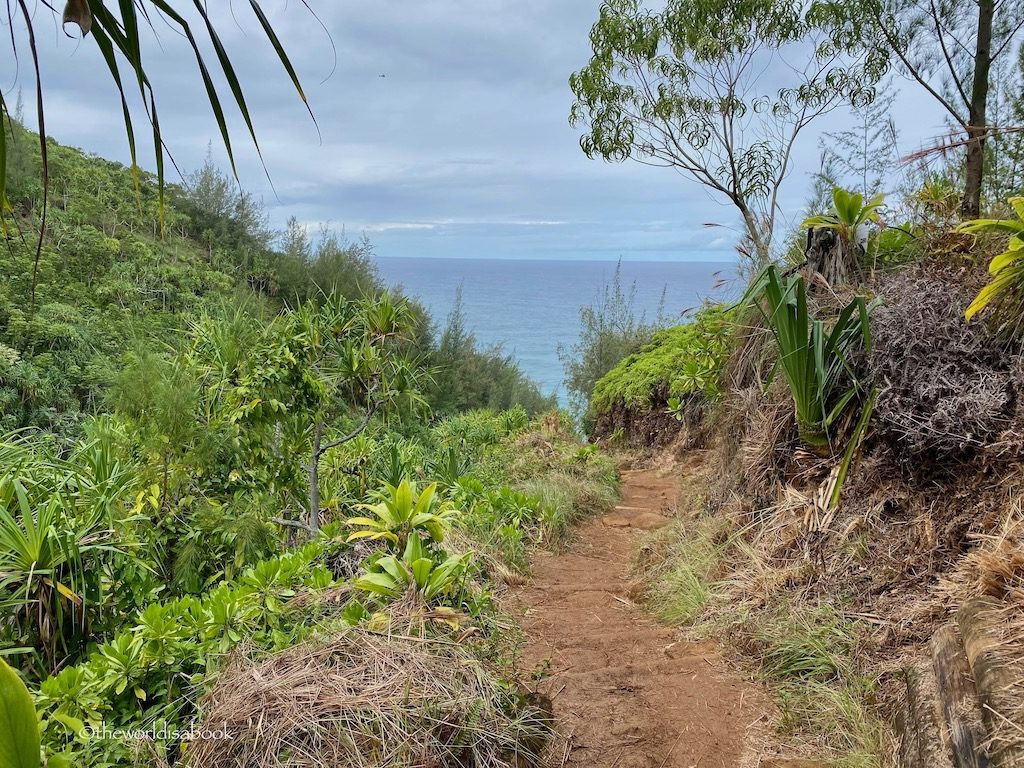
314,479
977,120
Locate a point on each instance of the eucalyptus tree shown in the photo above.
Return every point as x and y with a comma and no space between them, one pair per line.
721,91
118,32
949,47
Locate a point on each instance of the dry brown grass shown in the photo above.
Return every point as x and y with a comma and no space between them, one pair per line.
367,699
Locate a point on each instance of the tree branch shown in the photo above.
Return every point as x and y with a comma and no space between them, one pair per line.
946,55
291,524
374,406
894,46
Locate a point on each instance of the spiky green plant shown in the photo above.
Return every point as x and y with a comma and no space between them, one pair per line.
1004,295
814,357
402,513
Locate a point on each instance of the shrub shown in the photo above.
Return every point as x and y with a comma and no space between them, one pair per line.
677,363
144,672
417,571
849,220
611,329
401,514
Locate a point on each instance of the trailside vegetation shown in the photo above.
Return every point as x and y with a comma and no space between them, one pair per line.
852,519
225,449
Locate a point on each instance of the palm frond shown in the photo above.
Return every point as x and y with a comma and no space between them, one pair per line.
119,40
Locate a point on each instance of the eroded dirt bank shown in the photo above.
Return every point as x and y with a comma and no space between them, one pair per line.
627,692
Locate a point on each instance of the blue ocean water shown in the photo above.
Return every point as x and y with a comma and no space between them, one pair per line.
530,306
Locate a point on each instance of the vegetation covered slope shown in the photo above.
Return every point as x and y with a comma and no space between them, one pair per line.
109,282
677,371
226,448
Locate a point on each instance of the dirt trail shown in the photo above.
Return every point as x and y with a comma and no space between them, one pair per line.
627,692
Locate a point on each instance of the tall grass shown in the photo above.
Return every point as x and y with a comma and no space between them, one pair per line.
703,573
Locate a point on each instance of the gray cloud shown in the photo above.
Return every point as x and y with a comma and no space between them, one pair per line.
462,149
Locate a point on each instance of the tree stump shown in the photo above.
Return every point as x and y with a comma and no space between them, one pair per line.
829,255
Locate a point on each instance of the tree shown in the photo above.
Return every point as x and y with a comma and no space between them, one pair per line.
468,376
610,329
949,48
355,355
1004,148
226,219
720,90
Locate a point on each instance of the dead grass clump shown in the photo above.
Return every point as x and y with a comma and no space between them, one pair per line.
947,389
996,567
367,699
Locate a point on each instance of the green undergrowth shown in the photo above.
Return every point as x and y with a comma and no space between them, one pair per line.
705,575
423,526
559,479
678,362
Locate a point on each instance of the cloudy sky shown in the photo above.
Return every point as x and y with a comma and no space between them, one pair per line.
444,130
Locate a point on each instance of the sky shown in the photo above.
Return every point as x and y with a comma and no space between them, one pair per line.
443,130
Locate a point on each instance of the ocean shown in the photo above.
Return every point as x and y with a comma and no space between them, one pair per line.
529,307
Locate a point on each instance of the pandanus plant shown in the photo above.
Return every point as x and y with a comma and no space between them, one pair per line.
814,356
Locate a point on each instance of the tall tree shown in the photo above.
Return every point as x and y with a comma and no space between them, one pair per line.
719,90
949,48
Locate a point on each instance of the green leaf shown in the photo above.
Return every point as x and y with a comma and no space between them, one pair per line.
19,725
268,30
378,583
73,724
984,297
1005,259
421,571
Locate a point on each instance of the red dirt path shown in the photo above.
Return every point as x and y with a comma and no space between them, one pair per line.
626,691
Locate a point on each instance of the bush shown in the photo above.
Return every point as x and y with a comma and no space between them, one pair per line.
676,363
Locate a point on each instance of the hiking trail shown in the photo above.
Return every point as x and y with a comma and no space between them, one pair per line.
626,691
